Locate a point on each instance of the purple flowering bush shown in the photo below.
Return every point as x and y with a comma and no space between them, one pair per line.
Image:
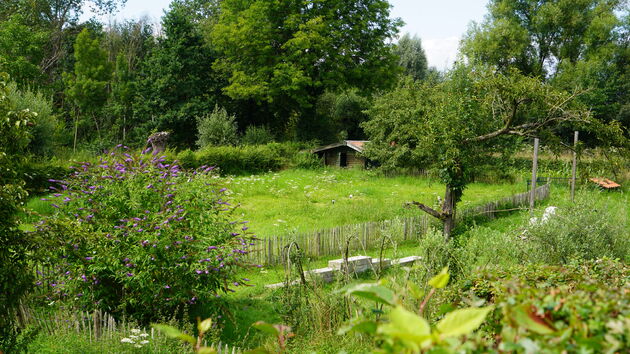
137,236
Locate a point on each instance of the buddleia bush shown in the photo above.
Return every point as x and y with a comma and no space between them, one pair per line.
135,235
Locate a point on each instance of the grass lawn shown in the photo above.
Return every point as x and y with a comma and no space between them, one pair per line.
306,200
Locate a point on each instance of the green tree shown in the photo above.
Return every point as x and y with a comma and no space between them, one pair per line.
177,83
412,56
339,116
570,43
21,50
285,54
87,87
539,36
451,126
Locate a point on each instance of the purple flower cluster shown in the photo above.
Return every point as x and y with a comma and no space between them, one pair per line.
153,228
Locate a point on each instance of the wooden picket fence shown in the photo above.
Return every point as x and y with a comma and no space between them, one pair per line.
96,325
332,242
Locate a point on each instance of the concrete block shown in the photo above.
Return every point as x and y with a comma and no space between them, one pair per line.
356,264
406,261
377,263
324,274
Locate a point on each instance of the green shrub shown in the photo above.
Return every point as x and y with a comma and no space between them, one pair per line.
46,130
582,307
15,274
216,129
133,235
239,160
257,135
581,230
37,174
307,160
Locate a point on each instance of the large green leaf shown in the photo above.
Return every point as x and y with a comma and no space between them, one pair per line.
407,327
415,291
173,332
204,325
439,281
372,292
266,327
462,321
358,325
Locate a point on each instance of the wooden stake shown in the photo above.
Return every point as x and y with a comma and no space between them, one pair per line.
575,141
532,196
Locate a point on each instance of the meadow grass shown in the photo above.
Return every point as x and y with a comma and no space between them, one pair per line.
485,242
306,200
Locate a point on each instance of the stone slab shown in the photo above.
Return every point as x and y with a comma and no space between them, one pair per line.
356,264
406,261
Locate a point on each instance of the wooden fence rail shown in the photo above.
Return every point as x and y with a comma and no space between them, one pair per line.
331,242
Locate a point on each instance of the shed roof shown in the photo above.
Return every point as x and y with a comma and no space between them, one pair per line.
356,145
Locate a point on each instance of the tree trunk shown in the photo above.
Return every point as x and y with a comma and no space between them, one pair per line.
448,211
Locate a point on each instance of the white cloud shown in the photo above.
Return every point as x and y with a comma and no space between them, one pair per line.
441,52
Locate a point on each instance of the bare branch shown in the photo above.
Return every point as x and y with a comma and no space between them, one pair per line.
436,214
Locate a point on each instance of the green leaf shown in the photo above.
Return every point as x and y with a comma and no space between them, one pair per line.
407,327
266,327
173,332
361,326
204,325
439,281
527,319
372,292
415,291
462,321
169,331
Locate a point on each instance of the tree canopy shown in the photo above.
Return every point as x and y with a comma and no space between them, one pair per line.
284,54
452,125
412,57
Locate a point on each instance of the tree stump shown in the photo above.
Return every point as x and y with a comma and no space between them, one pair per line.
158,141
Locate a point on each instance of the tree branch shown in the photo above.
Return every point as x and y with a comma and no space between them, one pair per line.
436,214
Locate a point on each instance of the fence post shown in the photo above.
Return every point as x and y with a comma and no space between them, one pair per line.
532,197
574,168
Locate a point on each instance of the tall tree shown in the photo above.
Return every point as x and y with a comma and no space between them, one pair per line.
177,82
284,54
412,57
452,125
538,36
570,43
87,87
21,50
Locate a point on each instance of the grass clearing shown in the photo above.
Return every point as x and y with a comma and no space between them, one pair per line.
306,200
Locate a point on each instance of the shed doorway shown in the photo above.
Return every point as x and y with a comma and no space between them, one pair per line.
343,159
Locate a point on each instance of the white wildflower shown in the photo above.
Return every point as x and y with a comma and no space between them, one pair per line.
126,340
144,342
144,334
135,331
138,346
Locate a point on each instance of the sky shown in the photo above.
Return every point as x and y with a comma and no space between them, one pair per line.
440,24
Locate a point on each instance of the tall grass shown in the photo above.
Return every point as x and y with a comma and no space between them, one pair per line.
299,200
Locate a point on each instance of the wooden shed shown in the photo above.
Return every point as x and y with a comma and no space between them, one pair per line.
343,154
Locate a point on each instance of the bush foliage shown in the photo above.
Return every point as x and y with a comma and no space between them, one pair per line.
134,235
216,129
